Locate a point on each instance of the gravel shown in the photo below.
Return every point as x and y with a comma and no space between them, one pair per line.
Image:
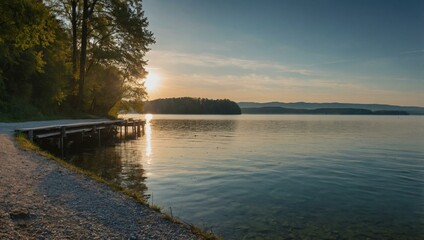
40,199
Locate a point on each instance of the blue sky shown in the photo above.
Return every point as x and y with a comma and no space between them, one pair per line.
317,51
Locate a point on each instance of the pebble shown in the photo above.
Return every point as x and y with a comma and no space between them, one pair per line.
19,213
49,205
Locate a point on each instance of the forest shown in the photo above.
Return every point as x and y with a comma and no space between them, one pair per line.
187,105
72,58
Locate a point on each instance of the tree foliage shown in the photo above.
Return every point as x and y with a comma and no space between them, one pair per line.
189,105
32,57
63,56
106,33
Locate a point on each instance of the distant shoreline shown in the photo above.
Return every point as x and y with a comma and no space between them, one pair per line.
412,110
321,111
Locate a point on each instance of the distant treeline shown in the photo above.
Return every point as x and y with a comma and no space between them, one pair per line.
188,105
335,111
412,110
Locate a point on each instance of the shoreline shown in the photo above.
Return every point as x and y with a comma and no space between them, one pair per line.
41,198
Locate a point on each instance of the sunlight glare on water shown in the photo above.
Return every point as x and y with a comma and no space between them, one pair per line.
148,136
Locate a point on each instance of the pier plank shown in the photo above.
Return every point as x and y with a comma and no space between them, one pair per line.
73,128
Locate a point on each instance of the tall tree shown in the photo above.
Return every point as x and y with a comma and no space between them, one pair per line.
87,12
113,33
74,36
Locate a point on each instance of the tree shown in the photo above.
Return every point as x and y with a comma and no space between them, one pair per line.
111,83
187,105
87,12
23,28
108,33
29,38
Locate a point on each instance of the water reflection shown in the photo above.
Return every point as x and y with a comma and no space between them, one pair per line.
148,136
123,163
120,165
196,126
309,177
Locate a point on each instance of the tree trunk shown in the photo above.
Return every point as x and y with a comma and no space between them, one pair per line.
74,79
83,55
87,12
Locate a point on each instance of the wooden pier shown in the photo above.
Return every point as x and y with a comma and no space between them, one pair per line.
96,130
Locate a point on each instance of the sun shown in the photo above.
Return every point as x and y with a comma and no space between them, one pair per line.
152,80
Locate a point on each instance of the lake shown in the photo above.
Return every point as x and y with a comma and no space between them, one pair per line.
278,176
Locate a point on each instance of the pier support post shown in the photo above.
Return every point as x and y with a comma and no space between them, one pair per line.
99,136
95,130
134,130
120,132
126,129
62,140
31,135
138,128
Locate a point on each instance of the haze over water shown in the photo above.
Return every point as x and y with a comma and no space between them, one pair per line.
279,176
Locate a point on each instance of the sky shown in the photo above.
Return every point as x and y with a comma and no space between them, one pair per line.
357,51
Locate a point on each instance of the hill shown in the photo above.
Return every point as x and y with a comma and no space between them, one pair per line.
187,105
329,111
304,105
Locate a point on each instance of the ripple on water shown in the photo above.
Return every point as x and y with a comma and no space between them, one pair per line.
310,177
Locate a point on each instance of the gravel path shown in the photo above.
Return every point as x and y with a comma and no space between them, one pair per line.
39,199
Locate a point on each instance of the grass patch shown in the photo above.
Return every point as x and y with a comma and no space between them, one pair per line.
26,144
156,208
203,234
208,235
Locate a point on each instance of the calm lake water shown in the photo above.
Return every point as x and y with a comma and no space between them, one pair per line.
278,176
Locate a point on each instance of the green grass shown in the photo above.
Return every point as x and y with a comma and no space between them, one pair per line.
156,208
26,144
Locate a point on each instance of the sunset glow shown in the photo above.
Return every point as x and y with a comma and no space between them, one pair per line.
152,80
148,117
294,51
